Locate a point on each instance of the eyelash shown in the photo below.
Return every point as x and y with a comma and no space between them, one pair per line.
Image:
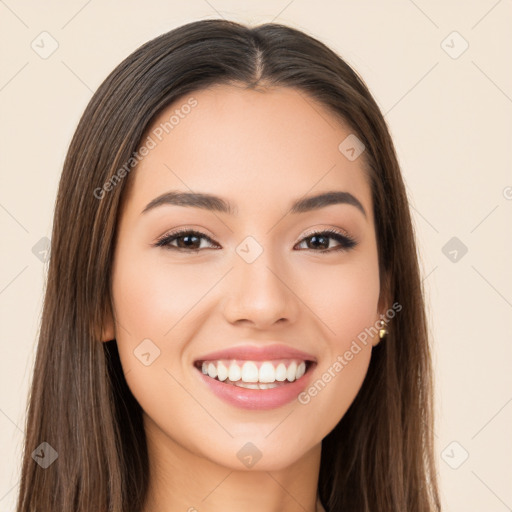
346,242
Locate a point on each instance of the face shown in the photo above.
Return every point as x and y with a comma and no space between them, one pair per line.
270,297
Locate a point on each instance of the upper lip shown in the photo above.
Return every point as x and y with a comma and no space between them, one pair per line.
258,353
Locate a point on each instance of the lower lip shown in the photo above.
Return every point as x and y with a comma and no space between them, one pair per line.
258,399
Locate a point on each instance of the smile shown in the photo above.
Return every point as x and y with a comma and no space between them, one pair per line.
256,385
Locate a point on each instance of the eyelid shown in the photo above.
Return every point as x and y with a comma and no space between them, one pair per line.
176,233
204,232
186,229
314,230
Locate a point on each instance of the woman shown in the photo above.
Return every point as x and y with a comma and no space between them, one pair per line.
233,316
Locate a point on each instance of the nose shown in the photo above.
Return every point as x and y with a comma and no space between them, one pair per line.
260,295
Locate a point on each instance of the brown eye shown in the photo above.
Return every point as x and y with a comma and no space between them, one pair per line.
320,241
186,240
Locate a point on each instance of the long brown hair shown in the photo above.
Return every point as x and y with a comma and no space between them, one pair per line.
380,455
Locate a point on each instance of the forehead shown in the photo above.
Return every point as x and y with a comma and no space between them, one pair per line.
254,147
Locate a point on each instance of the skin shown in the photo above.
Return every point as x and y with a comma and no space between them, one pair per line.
260,150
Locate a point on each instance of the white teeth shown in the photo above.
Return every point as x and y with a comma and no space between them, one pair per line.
291,373
247,385
267,373
234,372
281,372
256,386
212,370
301,369
222,372
248,373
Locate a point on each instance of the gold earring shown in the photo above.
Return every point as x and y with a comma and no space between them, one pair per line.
383,332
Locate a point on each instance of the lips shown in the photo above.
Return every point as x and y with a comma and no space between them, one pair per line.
257,353
255,377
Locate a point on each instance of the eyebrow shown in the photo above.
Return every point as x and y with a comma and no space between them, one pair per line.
218,204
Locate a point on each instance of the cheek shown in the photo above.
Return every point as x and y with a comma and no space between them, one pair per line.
334,388
155,316
347,313
154,299
158,308
344,299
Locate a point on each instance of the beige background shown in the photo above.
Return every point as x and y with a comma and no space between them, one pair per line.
449,114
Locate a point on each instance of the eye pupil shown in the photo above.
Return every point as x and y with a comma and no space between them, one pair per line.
186,237
320,237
